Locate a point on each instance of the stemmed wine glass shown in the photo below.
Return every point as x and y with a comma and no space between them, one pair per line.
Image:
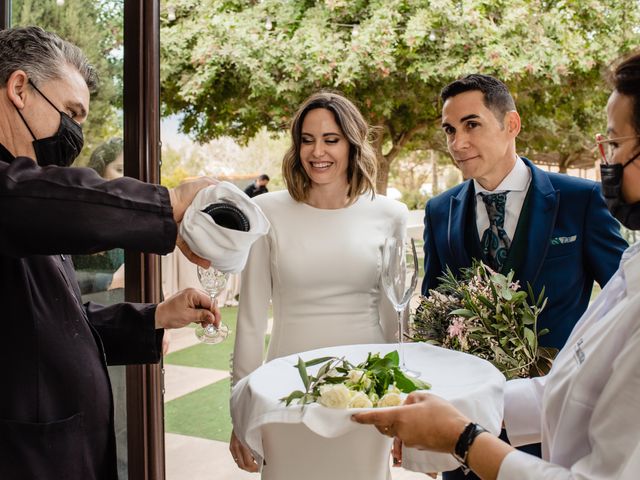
212,281
399,262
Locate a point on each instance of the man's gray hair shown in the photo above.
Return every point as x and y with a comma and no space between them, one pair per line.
41,55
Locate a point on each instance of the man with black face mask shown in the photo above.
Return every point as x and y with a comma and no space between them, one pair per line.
62,148
56,412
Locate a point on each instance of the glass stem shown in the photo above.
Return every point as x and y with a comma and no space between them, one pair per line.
400,338
214,303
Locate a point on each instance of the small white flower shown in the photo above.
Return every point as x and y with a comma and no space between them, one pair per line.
391,399
360,400
335,396
354,376
393,389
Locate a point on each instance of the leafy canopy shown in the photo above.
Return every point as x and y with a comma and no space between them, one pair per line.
233,67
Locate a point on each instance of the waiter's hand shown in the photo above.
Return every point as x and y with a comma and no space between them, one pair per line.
181,198
185,307
425,421
183,195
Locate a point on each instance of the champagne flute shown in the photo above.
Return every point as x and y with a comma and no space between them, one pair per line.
399,262
212,281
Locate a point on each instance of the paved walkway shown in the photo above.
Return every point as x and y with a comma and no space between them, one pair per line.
195,458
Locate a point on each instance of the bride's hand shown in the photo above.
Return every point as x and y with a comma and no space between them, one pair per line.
242,455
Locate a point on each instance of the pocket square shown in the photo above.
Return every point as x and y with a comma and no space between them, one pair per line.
563,240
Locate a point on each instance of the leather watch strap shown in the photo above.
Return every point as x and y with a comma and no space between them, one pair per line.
466,438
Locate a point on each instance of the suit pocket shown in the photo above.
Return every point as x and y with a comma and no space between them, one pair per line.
563,250
43,451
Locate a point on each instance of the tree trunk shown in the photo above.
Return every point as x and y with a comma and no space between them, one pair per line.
382,180
562,164
435,188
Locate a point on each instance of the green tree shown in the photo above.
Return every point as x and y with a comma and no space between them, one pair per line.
96,27
232,67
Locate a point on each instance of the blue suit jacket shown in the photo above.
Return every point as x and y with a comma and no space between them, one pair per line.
561,208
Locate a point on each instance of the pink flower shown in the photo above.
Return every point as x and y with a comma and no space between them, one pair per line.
457,328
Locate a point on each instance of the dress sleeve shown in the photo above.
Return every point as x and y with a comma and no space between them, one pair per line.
613,434
61,210
388,315
255,294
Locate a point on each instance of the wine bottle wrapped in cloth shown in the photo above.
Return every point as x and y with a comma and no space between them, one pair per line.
221,224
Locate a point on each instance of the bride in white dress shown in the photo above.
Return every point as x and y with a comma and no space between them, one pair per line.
320,264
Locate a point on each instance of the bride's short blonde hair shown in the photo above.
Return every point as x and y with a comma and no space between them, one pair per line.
361,172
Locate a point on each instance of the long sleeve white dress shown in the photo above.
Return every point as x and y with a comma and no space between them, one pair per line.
321,269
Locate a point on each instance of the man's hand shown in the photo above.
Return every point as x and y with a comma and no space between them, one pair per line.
181,198
192,257
185,307
425,421
183,194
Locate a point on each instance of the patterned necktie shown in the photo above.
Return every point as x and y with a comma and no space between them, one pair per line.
495,242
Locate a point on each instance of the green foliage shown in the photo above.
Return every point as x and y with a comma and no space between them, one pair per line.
230,75
96,27
414,200
486,314
375,377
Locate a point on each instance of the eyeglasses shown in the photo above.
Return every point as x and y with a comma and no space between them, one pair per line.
607,145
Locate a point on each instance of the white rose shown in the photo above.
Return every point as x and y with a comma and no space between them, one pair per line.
360,400
335,396
354,376
391,399
393,389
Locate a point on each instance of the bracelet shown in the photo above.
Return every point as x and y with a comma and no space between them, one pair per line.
466,438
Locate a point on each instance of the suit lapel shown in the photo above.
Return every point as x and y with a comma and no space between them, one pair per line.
456,228
543,211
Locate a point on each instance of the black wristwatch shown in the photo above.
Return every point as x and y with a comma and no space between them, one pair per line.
466,438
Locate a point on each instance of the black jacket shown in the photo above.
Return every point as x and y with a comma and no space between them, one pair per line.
56,412
253,190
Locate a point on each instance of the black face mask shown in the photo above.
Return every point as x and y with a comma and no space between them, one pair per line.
627,214
62,148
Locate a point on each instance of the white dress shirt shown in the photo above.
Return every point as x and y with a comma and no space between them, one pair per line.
517,183
586,410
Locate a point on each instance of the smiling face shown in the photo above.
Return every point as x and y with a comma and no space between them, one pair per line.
324,150
619,125
481,145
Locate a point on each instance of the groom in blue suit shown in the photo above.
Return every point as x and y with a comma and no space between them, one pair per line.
553,230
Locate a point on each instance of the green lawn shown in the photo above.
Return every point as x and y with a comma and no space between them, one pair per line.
209,356
204,413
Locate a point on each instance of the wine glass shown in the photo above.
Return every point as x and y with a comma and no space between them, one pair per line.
399,279
212,281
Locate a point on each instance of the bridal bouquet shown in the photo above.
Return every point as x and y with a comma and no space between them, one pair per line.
487,315
376,382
